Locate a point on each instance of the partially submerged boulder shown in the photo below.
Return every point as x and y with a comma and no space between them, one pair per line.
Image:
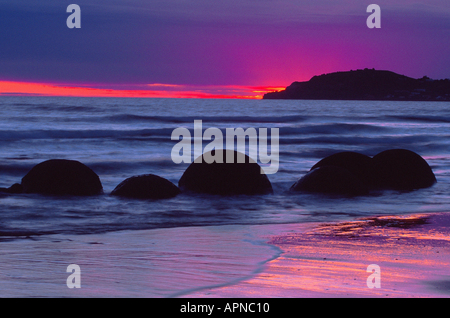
360,165
351,173
401,169
62,177
147,186
331,180
225,178
15,188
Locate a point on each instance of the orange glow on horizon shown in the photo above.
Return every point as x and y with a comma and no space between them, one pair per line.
264,89
9,88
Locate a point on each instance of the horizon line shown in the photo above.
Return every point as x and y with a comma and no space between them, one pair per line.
154,90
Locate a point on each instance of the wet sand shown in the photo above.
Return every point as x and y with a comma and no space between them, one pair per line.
284,260
331,260
149,263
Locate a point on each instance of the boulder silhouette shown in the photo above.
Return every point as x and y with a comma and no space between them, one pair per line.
62,177
225,178
358,164
15,188
147,186
401,169
331,180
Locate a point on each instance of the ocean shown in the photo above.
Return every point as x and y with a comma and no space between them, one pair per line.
123,137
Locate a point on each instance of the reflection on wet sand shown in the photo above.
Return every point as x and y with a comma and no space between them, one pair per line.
331,260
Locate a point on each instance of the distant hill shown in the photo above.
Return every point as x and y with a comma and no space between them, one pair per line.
367,84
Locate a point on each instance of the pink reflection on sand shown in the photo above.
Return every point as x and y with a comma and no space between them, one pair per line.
330,260
302,260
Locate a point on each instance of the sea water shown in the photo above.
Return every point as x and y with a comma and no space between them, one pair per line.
119,138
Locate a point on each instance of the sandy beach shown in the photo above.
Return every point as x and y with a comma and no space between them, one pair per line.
163,263
123,125
331,260
284,260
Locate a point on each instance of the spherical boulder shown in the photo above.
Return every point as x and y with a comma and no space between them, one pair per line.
62,177
361,166
225,178
401,169
331,180
147,186
15,188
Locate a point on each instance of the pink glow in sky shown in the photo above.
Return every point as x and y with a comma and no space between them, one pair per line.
208,48
151,90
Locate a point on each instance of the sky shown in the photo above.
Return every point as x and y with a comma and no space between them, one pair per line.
211,48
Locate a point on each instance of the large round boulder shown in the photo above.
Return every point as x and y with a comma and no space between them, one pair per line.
361,166
15,188
401,169
62,177
225,178
147,186
331,180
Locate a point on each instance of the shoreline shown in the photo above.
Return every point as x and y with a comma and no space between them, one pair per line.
158,263
237,261
331,260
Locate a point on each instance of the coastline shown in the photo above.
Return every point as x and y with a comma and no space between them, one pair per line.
331,260
158,263
268,261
